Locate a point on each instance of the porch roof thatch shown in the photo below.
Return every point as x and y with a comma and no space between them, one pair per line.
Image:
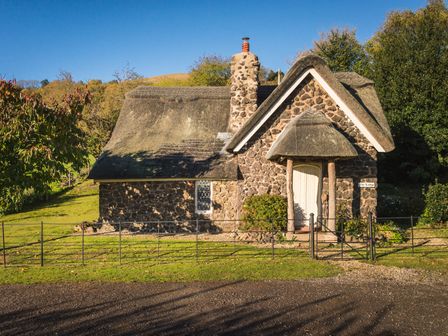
311,135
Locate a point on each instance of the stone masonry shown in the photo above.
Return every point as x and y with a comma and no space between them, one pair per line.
143,201
167,201
263,176
243,88
147,201
174,200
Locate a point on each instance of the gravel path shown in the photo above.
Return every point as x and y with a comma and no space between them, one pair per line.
367,300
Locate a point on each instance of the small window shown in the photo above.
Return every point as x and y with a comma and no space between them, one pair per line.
203,196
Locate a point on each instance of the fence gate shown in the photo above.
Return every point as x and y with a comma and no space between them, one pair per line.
334,244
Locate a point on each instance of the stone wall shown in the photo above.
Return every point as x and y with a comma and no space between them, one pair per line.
263,176
243,88
226,206
146,201
167,201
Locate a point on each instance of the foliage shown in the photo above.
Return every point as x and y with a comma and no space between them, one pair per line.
385,233
436,204
342,51
126,73
409,63
65,76
389,233
400,200
44,82
355,227
210,71
37,142
268,76
265,212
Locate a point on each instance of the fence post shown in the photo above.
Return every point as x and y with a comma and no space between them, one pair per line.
197,239
342,237
371,237
311,225
272,239
119,242
82,243
3,244
234,238
412,233
41,243
316,238
158,239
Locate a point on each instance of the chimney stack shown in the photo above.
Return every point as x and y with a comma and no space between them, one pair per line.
243,86
246,47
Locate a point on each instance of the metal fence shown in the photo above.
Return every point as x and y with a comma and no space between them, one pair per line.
150,241
206,240
375,238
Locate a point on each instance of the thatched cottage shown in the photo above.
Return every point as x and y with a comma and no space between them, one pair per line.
197,152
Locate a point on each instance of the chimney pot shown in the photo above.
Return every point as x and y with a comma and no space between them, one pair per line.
246,47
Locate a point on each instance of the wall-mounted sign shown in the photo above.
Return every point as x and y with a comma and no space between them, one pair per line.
367,184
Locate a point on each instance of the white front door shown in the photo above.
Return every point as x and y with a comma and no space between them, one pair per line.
307,186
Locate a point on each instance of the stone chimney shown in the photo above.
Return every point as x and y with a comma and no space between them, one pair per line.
244,86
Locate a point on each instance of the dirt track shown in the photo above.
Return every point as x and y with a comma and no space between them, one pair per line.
334,306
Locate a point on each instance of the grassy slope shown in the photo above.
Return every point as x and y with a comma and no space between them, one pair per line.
73,206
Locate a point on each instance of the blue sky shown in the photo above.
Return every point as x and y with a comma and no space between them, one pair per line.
92,39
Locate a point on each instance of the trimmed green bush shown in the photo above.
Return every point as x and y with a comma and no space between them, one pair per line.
386,233
389,233
264,212
355,227
436,204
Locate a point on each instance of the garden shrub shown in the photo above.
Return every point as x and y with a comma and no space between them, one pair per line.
400,200
355,227
385,233
390,233
436,205
264,212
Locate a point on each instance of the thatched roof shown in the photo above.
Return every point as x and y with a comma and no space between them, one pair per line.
363,89
311,135
169,133
354,90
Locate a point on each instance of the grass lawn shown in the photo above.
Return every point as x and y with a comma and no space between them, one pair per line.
70,207
220,269
73,206
431,258
140,258
146,257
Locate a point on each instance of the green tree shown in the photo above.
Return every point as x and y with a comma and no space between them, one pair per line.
38,142
409,57
210,71
342,51
44,82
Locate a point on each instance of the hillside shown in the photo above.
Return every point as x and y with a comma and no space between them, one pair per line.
168,77
73,206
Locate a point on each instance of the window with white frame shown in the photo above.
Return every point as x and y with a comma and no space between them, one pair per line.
203,196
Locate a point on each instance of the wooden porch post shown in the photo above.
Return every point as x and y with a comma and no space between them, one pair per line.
331,195
290,196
